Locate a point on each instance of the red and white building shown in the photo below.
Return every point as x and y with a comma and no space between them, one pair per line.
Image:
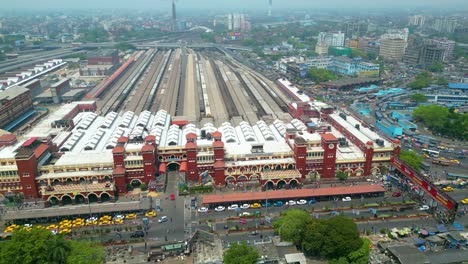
75,155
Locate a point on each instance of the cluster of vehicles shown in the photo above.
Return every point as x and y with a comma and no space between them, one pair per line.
237,207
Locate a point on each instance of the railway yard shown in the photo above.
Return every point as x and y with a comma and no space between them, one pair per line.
199,86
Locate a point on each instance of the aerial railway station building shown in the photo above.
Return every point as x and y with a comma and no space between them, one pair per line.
76,155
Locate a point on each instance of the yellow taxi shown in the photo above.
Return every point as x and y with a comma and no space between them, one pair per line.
464,201
118,221
150,214
65,231
447,189
455,161
255,205
130,216
52,227
11,228
91,223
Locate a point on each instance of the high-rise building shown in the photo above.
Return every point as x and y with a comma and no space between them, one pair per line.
397,33
229,21
447,45
392,48
431,54
355,29
236,21
335,39
416,20
445,25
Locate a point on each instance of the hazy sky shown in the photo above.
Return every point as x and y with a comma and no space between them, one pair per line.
241,4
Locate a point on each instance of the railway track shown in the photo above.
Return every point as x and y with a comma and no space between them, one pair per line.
179,109
253,98
118,98
229,102
112,93
150,99
143,90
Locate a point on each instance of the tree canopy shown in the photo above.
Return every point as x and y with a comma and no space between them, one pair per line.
320,75
443,121
38,245
412,159
360,256
421,80
241,254
291,225
436,67
341,175
418,98
331,238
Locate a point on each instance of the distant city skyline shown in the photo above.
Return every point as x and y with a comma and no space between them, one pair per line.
241,4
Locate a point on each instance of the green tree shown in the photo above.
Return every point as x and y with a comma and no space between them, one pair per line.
319,75
291,225
360,256
143,187
371,55
84,252
421,80
241,254
441,81
331,238
436,67
418,98
412,159
442,120
356,53
341,175
59,250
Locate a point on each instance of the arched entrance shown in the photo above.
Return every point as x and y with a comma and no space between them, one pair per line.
270,185
105,197
53,201
242,178
359,172
230,180
375,171
66,200
313,175
281,185
293,184
135,183
92,198
173,166
79,199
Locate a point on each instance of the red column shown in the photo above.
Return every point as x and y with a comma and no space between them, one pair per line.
27,171
300,155
149,166
192,169
368,154
329,145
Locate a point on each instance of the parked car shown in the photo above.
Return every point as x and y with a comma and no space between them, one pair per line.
245,206
291,202
396,194
233,207
202,210
346,199
255,205
424,207
162,219
278,203
301,202
267,204
137,234
312,201
244,214
448,189
220,208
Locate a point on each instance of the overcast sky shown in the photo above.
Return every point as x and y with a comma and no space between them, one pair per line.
241,4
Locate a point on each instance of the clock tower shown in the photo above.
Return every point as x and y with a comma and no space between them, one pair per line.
329,145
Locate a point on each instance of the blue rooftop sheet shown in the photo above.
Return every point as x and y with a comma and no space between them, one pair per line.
458,85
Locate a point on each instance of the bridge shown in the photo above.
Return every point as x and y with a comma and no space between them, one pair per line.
206,29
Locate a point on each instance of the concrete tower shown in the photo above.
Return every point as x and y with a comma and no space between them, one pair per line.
174,16
270,7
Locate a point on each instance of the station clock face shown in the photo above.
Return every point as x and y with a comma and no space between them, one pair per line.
331,146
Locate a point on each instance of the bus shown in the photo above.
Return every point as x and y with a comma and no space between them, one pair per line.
431,153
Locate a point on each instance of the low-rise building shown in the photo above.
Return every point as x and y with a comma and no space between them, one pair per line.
354,67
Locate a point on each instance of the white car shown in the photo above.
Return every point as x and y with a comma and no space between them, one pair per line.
121,217
291,202
424,208
346,199
162,219
202,210
302,201
233,207
244,214
220,208
245,206
28,225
